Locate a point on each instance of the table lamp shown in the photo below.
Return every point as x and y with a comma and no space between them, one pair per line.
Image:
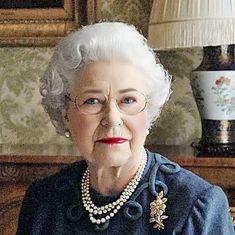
209,24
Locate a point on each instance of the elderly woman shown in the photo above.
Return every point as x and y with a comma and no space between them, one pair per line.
104,88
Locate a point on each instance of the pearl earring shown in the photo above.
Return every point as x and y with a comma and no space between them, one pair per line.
67,134
147,132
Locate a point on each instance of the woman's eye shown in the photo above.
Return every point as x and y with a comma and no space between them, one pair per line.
92,101
129,100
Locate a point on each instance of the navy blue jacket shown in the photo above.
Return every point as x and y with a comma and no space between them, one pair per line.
194,207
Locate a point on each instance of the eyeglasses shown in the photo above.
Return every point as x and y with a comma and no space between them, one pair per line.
129,103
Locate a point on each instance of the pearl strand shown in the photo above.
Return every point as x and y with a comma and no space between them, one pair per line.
110,209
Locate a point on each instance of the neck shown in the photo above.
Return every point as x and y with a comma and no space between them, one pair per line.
110,180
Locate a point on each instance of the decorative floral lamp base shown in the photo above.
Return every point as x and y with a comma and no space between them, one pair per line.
213,84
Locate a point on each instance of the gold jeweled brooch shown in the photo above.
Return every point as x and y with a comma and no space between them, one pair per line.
157,208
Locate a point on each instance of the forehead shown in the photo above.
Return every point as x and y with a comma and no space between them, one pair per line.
110,76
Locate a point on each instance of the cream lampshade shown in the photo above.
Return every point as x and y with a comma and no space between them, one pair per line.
191,23
209,24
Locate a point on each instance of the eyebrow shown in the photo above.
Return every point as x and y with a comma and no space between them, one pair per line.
93,91
97,91
126,90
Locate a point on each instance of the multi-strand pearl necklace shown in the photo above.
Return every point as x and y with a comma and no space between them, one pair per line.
108,211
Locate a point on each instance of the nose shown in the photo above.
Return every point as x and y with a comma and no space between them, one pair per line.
111,115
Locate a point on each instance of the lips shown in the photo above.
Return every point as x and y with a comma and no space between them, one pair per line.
114,140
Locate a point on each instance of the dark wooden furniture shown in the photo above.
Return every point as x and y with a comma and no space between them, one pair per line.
22,164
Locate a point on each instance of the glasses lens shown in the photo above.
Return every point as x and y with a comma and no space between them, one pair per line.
90,104
132,102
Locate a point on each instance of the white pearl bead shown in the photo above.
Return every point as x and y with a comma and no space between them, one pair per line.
44,91
103,220
111,214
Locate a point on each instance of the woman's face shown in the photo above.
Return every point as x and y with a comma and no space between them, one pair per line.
111,137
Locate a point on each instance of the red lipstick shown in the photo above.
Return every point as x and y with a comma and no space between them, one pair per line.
114,140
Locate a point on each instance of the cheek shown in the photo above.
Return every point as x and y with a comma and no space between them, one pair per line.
75,125
82,130
139,126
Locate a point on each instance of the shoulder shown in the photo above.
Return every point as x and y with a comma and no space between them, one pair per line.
59,182
50,198
209,214
191,199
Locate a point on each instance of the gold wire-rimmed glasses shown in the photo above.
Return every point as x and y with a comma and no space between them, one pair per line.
129,103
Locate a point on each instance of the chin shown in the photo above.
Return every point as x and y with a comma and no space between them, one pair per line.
112,157
116,161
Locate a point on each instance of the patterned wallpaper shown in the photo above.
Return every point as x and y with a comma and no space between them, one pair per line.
23,120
